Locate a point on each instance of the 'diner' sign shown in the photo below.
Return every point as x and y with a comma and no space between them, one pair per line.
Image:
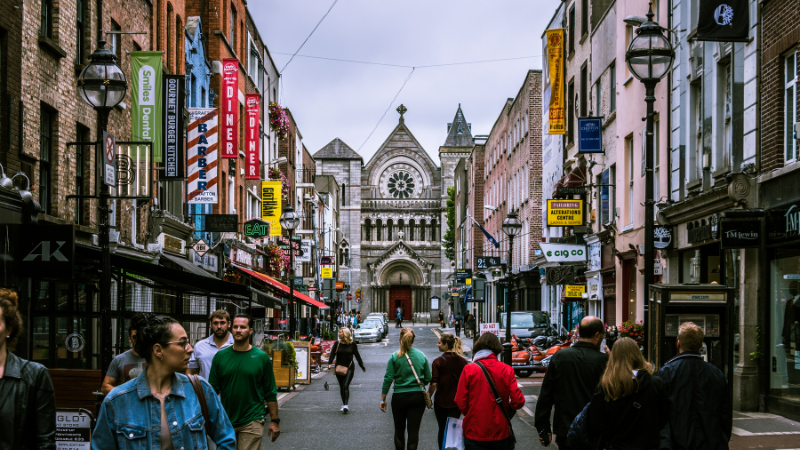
564,213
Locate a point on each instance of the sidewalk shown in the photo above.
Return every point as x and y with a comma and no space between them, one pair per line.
754,430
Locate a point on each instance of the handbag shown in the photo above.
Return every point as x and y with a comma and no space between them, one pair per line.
579,436
499,401
428,402
341,370
198,390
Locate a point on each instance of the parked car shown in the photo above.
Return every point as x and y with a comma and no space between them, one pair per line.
370,330
380,317
527,324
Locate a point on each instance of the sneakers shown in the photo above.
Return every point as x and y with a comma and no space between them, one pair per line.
345,409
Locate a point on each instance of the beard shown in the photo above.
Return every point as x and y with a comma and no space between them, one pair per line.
220,333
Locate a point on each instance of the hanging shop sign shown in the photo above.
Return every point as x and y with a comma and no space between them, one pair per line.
662,237
326,272
560,275
271,206
45,249
73,429
241,256
740,233
221,223
201,156
146,108
563,252
256,229
229,127
200,247
590,135
574,290
109,159
305,251
595,261
462,275
723,21
171,243
570,190
325,260
485,262
252,136
339,285
555,60
564,213
173,126
701,231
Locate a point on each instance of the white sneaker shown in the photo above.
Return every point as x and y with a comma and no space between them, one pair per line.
342,408
345,409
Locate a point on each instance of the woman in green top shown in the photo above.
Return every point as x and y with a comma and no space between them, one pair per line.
408,401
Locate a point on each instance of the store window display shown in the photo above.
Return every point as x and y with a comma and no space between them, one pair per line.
785,324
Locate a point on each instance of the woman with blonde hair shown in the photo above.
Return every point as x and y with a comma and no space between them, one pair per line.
409,371
444,382
630,406
343,351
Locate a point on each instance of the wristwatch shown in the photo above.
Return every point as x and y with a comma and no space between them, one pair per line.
277,420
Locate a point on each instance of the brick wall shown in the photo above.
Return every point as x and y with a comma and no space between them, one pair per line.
11,87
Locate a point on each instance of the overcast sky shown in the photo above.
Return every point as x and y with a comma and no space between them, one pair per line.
332,99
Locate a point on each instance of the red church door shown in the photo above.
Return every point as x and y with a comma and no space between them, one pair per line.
401,297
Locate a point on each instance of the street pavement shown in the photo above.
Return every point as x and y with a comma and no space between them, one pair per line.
310,416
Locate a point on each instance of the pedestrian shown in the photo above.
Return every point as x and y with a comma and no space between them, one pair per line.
441,319
129,364
204,350
458,326
160,407
399,317
358,317
570,382
409,371
316,326
243,376
701,415
452,320
487,421
446,371
343,351
630,406
28,403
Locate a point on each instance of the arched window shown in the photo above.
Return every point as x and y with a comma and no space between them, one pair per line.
368,230
434,232
378,229
401,227
422,232
411,225
344,255
389,230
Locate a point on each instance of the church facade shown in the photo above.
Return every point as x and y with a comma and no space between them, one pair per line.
392,218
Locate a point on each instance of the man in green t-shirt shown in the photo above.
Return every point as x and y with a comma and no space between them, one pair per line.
243,376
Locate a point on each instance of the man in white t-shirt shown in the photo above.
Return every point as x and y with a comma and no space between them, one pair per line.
205,349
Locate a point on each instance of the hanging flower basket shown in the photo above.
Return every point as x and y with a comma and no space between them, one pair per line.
278,120
277,260
633,330
276,174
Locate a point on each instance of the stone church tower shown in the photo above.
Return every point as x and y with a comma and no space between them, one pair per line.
392,223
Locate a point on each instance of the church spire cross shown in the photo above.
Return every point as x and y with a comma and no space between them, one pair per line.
402,110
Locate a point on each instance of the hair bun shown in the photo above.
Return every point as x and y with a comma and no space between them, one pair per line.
9,295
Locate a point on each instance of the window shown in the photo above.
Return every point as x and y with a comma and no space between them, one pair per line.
584,100
79,42
253,62
115,40
81,157
612,176
605,196
191,99
612,97
629,151
169,55
46,25
203,97
45,157
344,191
791,106
571,26
597,95
571,112
696,130
584,17
628,38
232,29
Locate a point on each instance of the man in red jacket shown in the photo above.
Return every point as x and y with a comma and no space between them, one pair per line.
487,425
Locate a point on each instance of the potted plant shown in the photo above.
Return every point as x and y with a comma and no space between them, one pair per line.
633,330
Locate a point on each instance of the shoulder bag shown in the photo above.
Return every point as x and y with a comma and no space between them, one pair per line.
425,394
198,390
340,369
499,401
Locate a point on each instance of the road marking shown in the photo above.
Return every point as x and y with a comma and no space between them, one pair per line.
531,398
528,411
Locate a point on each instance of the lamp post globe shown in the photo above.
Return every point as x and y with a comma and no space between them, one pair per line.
512,227
102,84
650,54
289,221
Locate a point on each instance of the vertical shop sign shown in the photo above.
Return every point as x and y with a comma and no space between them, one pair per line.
230,107
271,206
173,127
146,109
252,136
201,157
555,58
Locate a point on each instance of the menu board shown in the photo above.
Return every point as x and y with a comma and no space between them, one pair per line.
73,429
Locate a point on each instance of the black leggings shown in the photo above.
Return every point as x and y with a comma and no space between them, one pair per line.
407,408
344,384
442,414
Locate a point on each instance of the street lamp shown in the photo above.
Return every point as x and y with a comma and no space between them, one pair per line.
512,228
649,58
103,85
290,221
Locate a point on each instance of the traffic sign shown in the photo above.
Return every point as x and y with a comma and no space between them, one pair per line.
358,293
200,247
109,153
349,296
358,300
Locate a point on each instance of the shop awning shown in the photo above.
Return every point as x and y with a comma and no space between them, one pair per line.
187,266
559,184
576,178
282,287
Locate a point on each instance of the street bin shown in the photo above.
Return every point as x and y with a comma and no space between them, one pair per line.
709,306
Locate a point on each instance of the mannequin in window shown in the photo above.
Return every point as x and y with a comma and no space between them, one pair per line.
791,319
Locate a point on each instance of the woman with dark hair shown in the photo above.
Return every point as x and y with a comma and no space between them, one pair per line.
344,350
126,419
487,424
409,371
444,382
27,401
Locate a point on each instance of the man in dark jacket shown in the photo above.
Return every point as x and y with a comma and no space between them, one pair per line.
701,416
570,382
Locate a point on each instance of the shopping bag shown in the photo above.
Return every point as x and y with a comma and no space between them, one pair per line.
453,435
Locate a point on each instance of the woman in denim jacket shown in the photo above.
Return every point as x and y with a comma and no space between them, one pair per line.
159,409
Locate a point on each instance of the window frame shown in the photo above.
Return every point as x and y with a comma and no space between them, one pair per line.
571,112
571,25
80,36
46,159
630,177
790,108
116,47
232,28
612,98
46,19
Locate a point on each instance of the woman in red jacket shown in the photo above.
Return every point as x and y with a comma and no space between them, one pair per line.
487,425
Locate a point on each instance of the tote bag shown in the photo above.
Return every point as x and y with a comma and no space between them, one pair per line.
453,435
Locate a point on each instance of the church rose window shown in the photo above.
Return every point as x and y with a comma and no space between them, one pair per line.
401,185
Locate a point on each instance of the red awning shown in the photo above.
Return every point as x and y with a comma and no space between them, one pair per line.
558,185
577,177
283,288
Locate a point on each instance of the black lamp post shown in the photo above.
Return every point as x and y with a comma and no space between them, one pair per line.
649,58
511,227
103,85
290,221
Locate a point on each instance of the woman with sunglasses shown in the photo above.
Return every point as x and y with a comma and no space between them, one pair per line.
127,416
